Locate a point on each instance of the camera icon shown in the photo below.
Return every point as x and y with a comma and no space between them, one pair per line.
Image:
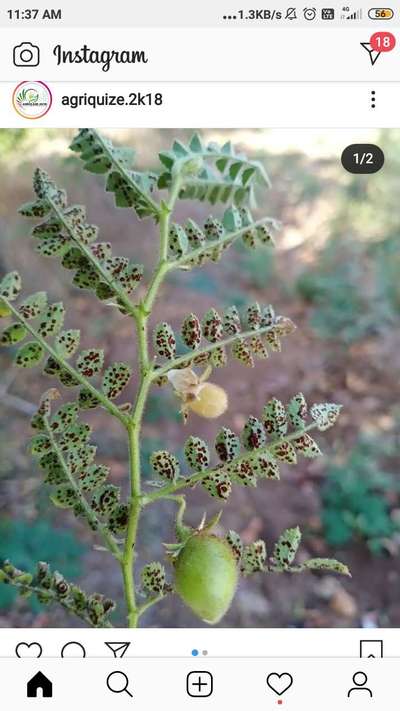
26,54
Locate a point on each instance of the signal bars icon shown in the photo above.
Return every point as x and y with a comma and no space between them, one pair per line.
347,14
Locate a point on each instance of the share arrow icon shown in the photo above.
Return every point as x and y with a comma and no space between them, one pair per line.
118,649
373,53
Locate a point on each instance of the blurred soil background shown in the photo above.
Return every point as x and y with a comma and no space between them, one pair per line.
335,272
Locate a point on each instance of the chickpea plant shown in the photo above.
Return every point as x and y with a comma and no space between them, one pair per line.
204,567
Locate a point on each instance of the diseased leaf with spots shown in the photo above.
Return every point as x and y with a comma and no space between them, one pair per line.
65,417
67,343
325,415
51,321
64,497
115,379
165,465
10,286
33,306
227,445
13,334
197,454
105,499
93,477
286,547
90,362
74,437
253,558
218,484
29,355
87,400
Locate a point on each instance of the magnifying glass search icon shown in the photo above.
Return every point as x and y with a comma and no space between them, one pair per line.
118,682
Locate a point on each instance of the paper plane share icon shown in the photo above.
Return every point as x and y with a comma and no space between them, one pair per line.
373,53
118,649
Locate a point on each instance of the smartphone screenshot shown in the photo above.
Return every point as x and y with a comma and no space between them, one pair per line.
199,355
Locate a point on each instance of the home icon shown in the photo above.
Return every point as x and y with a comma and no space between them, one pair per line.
39,681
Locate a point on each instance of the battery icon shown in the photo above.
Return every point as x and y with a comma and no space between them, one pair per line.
380,13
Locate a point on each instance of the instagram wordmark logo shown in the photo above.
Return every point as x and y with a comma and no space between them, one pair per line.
32,99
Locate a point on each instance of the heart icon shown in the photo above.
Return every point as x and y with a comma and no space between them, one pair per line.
24,649
279,683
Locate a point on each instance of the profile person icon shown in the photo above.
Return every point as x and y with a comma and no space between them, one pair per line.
359,681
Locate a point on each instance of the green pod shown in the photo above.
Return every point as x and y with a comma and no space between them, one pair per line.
206,576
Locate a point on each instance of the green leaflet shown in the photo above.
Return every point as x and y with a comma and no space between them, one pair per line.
243,473
266,467
235,543
178,241
93,477
67,343
115,379
165,465
74,437
285,452
297,411
40,444
212,326
254,316
197,454
191,331
118,519
29,355
286,547
65,417
51,321
79,458
33,306
218,485
86,400
36,208
274,418
325,415
326,564
242,353
253,435
13,334
164,341
64,497
227,445
54,472
10,286
253,558
105,499
153,578
219,357
231,321
90,362
307,446
53,246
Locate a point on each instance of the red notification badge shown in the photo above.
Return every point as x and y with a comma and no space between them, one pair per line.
383,41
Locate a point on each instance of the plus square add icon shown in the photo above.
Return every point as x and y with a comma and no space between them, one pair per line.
199,683
41,683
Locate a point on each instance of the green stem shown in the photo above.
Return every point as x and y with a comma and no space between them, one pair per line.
136,418
166,491
108,538
149,603
107,404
